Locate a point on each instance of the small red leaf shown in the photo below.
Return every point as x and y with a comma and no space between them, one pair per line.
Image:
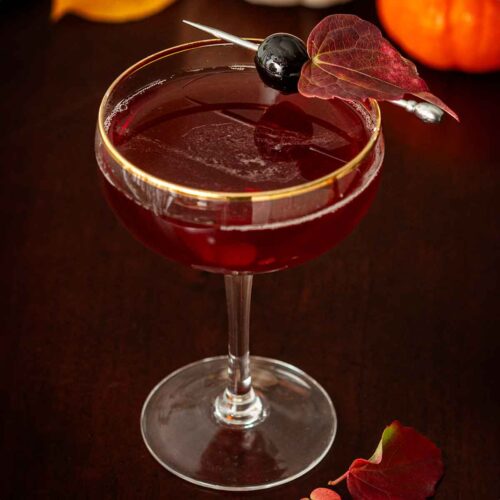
405,466
350,59
324,494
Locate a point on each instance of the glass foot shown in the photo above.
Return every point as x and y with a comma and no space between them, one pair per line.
181,431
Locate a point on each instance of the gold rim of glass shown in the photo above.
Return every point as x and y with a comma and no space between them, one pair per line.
203,194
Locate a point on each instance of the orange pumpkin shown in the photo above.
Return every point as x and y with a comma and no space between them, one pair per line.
446,34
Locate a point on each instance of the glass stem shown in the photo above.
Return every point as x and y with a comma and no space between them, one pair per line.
238,405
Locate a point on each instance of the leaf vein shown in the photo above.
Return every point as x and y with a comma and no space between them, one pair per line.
371,485
364,74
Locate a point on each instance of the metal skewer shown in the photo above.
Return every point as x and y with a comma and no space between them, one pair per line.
224,36
427,112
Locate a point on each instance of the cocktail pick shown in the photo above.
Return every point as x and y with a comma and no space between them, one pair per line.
224,36
427,112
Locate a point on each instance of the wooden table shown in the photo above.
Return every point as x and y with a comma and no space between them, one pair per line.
399,322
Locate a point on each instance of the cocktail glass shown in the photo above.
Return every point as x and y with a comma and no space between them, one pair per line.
233,422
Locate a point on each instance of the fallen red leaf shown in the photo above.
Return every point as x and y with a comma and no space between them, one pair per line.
405,466
350,59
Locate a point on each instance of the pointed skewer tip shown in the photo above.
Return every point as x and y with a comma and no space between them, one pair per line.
223,35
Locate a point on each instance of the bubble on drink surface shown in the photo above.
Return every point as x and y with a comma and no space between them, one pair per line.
122,105
208,155
232,153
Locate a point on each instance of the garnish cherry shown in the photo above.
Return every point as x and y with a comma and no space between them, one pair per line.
279,59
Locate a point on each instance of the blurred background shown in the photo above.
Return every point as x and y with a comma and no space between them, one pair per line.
400,321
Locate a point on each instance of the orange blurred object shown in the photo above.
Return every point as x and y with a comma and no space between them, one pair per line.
108,11
446,34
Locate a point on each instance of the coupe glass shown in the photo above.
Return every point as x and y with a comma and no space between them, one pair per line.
233,422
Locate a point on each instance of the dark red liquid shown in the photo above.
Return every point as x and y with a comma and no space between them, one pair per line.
224,130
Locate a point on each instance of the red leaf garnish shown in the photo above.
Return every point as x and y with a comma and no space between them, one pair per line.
405,466
350,59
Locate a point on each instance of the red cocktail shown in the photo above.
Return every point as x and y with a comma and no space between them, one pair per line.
224,130
207,166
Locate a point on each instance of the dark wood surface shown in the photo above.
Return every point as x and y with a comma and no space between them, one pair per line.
399,322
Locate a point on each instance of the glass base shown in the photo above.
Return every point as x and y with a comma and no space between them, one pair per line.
181,431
